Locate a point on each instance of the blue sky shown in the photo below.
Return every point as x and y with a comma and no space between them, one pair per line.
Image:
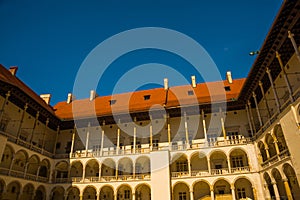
49,40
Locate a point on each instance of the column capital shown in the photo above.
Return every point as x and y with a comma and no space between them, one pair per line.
273,182
285,180
260,83
290,34
25,106
277,54
268,70
7,94
253,94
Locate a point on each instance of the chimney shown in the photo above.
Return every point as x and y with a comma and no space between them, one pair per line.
93,95
70,98
166,84
194,84
13,70
46,98
229,77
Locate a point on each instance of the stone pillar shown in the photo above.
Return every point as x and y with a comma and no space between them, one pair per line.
257,109
222,123
291,36
277,196
209,166
22,120
44,134
254,193
251,117
7,95
133,196
287,82
87,139
102,140
229,164
191,195
80,197
83,173
249,121
233,192
189,166
11,164
151,133
204,125
56,137
267,191
134,135
73,142
100,171
169,130
276,146
273,89
212,194
34,126
187,142
287,189
98,195
264,98
118,140
267,152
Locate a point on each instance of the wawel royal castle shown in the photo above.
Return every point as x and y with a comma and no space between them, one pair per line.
190,151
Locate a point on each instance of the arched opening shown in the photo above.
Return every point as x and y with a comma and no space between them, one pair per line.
7,157
92,170
218,163
222,189
181,191
278,178
179,165
28,192
199,164
143,192
20,161
124,193
271,145
108,169
33,165
280,138
262,151
142,167
73,193
292,180
125,168
107,193
40,193
201,190
239,160
243,189
269,185
61,171
2,188
44,168
58,193
76,171
13,191
89,193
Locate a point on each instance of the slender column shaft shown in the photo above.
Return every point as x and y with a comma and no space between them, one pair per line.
118,140
102,142
134,138
191,195
287,82
133,196
169,131
291,36
212,194
186,130
100,171
222,123
7,95
189,167
34,125
257,109
56,137
73,141
277,196
249,121
276,146
264,98
229,165
204,125
151,135
267,152
209,166
287,189
254,193
44,134
87,139
22,120
273,89
233,193
251,117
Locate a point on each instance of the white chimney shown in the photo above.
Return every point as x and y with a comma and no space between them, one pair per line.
229,77
194,84
46,98
70,98
166,84
13,70
93,95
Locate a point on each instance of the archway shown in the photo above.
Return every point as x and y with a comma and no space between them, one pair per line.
271,146
44,168
143,192
40,193
89,193
107,193
201,189
125,167
292,180
20,160
269,185
2,188
108,168
222,189
262,151
142,166
179,163
239,160
278,178
124,193
13,190
199,164
61,170
33,165
181,191
7,157
73,193
280,138
92,169
58,193
243,189
28,192
76,171
218,162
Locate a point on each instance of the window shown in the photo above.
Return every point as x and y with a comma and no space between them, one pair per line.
126,194
146,97
182,196
181,166
190,92
237,161
227,88
112,102
241,193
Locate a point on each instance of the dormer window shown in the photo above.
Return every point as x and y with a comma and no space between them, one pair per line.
112,102
190,92
227,88
146,97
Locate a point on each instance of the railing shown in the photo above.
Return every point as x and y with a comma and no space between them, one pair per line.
61,180
240,169
281,156
76,179
20,174
200,173
180,174
111,178
219,171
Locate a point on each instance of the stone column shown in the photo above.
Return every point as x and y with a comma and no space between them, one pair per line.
73,142
273,89
276,146
102,139
44,134
277,196
264,98
212,194
291,36
267,152
209,167
287,189
169,130
222,123
204,125
22,120
191,195
187,142
151,133
254,193
287,82
118,140
229,164
34,126
87,139
249,121
257,109
267,191
251,117
233,192
189,166
56,137
133,196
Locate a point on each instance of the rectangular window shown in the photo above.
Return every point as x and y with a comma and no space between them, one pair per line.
126,194
112,102
227,88
182,196
237,161
241,193
146,97
181,166
190,92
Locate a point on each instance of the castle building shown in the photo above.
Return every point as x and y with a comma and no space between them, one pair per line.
180,143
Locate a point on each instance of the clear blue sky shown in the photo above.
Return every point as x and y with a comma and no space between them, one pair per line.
49,40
